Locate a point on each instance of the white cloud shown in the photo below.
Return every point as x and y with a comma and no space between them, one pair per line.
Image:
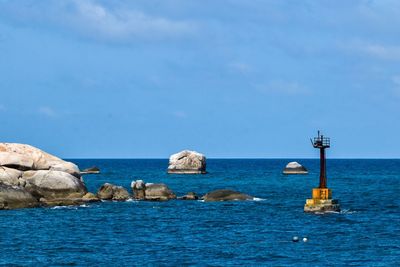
98,21
47,111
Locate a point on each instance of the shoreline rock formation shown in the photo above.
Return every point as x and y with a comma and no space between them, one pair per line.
27,172
187,162
152,192
225,195
112,192
294,168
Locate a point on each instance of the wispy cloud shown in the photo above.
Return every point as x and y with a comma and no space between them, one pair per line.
92,19
282,87
47,111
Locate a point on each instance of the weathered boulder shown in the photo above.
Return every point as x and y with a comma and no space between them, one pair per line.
187,162
158,192
26,157
14,197
10,176
150,191
138,189
50,184
91,170
90,197
225,195
294,168
112,192
190,196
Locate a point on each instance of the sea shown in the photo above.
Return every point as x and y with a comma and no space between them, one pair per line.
194,233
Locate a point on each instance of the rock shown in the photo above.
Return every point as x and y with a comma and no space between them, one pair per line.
26,157
225,195
14,197
187,162
158,192
10,176
112,192
190,196
90,197
61,201
105,192
16,161
138,189
120,194
294,168
91,170
53,184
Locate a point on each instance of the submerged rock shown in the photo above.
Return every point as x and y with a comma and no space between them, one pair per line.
190,196
150,191
187,162
14,197
294,168
91,170
225,195
112,192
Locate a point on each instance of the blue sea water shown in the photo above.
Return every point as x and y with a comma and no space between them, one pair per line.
250,233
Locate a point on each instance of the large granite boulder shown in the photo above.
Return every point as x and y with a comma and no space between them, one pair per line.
187,162
150,191
294,168
40,175
25,157
50,184
225,195
14,197
112,192
10,176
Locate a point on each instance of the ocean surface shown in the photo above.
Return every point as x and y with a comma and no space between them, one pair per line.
249,233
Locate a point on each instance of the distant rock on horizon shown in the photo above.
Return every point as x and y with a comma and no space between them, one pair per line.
295,168
187,162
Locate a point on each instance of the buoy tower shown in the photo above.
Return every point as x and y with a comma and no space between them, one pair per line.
322,196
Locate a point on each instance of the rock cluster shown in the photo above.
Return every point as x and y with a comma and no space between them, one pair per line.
30,176
150,191
112,192
294,168
187,162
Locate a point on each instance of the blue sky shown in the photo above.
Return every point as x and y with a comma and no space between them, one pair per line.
232,78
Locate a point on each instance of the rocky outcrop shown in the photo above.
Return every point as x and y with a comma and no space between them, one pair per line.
187,162
189,196
294,168
14,197
225,195
53,184
152,192
91,170
112,192
35,173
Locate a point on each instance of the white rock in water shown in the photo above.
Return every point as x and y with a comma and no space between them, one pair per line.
187,162
294,168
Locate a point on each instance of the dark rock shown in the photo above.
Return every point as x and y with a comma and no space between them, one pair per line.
190,196
112,192
91,170
14,197
225,195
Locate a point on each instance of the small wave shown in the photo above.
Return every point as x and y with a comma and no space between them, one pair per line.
348,211
64,207
258,199
201,200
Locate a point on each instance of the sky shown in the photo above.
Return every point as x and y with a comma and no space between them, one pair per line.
227,78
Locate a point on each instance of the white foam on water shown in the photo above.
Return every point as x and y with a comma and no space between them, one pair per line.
64,207
258,199
348,211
